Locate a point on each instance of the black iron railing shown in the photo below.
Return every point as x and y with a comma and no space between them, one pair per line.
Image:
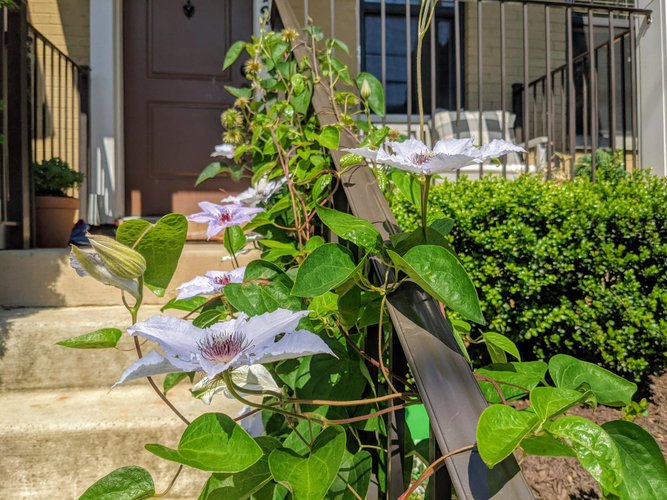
539,71
45,106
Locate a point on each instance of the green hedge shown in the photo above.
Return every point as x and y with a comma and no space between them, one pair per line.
575,267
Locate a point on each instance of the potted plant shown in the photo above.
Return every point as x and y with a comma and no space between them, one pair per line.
55,211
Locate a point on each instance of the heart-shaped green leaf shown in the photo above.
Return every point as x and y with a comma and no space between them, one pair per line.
355,473
324,269
309,477
265,288
594,448
609,389
126,483
643,464
351,228
103,338
329,137
160,244
212,442
441,275
548,402
500,430
524,375
244,483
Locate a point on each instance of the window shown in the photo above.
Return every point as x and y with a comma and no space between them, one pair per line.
396,63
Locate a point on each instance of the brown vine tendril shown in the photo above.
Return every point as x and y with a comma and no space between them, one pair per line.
433,468
171,484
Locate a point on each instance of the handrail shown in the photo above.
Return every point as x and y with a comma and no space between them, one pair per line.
51,45
451,395
576,5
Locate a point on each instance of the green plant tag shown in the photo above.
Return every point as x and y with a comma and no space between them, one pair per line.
212,442
126,483
103,338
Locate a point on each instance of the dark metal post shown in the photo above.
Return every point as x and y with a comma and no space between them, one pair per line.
502,82
395,429
480,62
408,63
593,93
525,126
17,150
548,90
571,96
612,84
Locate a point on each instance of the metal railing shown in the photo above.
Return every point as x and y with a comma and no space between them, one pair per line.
45,106
58,103
479,57
424,341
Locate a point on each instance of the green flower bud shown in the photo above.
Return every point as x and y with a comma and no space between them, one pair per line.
365,91
119,259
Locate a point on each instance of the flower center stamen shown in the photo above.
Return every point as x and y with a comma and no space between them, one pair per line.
222,280
420,159
225,217
222,347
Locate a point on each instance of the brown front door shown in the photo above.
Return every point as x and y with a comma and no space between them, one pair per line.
174,94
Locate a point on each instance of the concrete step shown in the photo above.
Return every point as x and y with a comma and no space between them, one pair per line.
42,277
31,360
57,443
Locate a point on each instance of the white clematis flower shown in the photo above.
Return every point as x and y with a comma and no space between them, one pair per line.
258,193
220,217
211,283
225,150
449,155
497,148
240,345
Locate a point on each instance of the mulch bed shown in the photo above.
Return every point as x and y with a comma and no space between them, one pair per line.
563,478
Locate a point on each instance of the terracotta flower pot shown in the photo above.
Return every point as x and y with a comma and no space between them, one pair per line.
55,216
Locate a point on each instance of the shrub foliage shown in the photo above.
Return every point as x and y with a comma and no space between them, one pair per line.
575,267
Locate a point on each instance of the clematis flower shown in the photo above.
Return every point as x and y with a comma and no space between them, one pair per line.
219,217
211,283
497,148
414,156
449,155
253,424
225,150
258,193
240,345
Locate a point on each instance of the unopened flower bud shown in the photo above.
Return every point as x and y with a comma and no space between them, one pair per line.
365,91
119,259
